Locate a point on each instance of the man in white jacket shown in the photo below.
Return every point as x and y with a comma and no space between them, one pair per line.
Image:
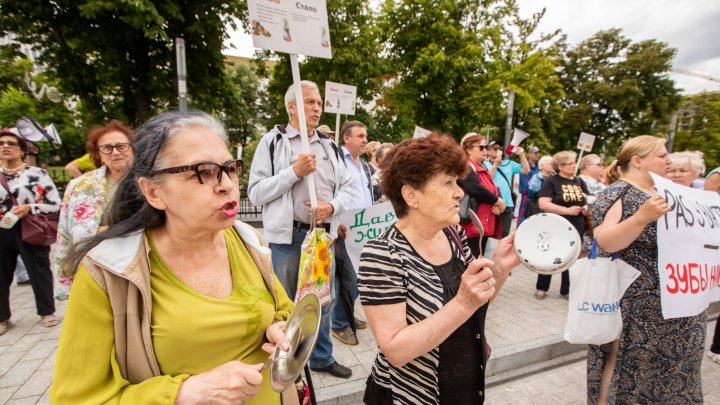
278,183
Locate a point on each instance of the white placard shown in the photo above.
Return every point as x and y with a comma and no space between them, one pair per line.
586,141
421,132
688,239
297,27
340,98
365,224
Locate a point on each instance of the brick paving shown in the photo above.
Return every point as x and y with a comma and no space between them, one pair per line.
517,325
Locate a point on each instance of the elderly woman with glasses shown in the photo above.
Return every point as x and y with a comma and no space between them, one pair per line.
84,208
24,190
563,194
424,293
176,301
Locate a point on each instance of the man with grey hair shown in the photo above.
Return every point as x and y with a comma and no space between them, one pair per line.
278,183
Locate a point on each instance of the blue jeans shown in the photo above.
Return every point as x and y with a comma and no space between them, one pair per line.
340,320
286,263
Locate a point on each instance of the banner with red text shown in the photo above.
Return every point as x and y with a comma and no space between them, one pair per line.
688,239
365,224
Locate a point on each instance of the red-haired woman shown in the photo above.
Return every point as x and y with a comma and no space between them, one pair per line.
424,293
87,197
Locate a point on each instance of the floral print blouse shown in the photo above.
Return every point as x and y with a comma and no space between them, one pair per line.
80,215
32,186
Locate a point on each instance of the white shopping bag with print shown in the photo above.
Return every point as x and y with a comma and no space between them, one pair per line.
596,286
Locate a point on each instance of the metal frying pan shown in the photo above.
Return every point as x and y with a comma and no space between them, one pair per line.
301,328
476,222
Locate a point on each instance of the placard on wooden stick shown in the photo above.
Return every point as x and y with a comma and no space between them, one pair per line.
299,27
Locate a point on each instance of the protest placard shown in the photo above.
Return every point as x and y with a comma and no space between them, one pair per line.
340,98
365,224
688,241
421,132
585,142
296,27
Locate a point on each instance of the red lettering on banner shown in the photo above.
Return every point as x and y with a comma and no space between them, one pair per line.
692,278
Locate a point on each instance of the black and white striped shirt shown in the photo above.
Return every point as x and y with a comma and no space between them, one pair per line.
391,272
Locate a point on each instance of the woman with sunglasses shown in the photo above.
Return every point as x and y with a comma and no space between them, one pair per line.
84,207
479,185
24,190
175,302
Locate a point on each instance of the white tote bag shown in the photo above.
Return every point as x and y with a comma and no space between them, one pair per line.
596,286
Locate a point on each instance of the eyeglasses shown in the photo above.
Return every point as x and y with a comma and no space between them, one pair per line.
9,143
567,164
207,171
481,147
108,148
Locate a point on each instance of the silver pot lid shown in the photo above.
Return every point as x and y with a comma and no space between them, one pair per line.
301,329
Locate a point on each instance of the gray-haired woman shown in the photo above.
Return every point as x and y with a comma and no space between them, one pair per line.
176,300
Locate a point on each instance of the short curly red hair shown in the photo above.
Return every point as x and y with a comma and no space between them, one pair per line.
415,161
97,131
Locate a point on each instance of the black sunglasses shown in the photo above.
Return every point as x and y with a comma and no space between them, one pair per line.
481,147
207,171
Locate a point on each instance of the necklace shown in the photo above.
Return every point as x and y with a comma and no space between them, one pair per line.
13,171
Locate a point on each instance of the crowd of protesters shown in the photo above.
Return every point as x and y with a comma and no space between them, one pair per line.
120,200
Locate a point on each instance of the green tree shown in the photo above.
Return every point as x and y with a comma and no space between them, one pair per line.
454,62
700,127
615,89
17,100
118,56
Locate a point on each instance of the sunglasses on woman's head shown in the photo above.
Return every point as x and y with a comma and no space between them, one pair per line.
207,171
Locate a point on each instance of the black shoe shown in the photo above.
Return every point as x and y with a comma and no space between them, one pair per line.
336,369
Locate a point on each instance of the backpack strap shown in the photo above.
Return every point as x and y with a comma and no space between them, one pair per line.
280,131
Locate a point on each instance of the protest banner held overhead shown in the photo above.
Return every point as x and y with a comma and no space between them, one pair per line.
296,27
688,239
365,224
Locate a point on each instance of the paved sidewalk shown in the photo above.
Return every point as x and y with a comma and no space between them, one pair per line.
521,330
27,351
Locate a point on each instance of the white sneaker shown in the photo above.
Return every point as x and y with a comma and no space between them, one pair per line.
714,356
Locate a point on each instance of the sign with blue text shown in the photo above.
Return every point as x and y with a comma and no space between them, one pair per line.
365,224
296,27
688,241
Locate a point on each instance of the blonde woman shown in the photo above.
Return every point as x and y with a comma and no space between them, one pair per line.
655,360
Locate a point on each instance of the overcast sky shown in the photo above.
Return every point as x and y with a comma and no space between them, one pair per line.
690,26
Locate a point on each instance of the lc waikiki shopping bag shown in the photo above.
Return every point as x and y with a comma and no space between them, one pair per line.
316,258
596,286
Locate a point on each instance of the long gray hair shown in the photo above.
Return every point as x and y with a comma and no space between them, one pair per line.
129,212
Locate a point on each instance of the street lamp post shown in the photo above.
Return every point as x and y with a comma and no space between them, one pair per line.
181,74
